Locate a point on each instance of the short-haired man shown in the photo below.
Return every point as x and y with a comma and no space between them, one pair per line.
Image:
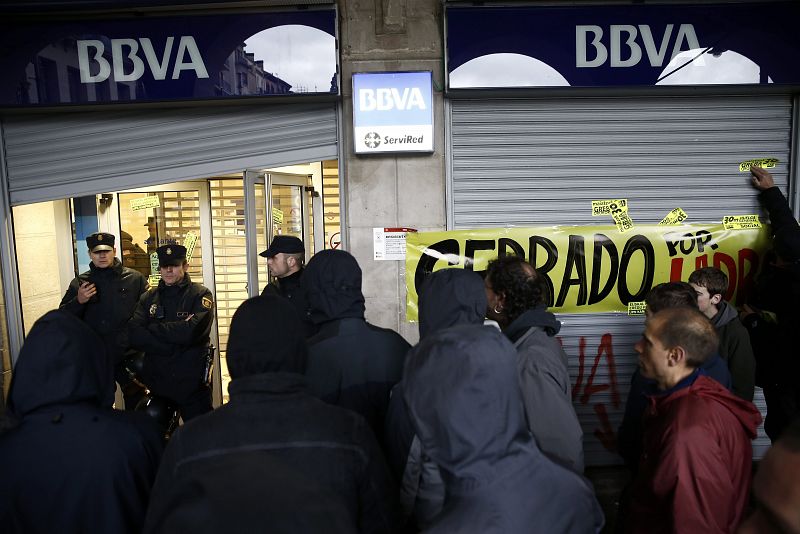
171,325
711,284
285,257
105,297
694,473
629,437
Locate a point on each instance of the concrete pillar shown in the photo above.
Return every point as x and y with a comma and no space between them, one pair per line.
391,190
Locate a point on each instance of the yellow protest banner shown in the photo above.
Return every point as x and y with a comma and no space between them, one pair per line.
594,268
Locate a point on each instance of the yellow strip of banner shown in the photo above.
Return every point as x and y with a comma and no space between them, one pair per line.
603,207
764,163
594,268
676,216
741,222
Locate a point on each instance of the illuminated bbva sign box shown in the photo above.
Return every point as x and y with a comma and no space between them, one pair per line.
392,112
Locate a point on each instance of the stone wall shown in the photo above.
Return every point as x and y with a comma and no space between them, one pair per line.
390,190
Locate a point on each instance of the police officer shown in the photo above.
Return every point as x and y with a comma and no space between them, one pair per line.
171,324
105,297
285,257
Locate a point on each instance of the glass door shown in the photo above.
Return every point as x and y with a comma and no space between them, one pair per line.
293,207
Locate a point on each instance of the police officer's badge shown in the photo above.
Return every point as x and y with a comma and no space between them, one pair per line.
153,310
169,252
99,237
207,302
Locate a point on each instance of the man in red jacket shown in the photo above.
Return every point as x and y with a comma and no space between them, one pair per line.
695,469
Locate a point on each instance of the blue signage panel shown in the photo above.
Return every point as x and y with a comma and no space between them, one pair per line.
393,112
167,58
623,45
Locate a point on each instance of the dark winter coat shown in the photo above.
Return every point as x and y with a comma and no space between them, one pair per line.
274,458
118,291
695,471
351,363
546,387
735,350
175,348
68,463
447,298
290,287
462,388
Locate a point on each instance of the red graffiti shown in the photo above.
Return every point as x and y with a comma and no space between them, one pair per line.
605,434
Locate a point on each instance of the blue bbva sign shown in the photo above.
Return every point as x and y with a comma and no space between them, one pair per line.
393,112
630,45
51,62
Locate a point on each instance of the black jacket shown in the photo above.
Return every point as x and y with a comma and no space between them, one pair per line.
289,287
273,459
118,291
471,423
171,325
447,298
69,464
351,363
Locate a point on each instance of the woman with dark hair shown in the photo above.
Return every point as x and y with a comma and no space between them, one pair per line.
517,298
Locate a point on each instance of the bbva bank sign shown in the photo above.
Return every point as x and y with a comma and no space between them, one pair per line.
392,112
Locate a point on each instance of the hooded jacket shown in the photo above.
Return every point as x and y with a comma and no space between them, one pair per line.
462,390
695,469
69,464
118,291
273,457
735,350
546,387
447,298
351,363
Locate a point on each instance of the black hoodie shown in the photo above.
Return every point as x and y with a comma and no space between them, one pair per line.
460,385
351,363
70,464
274,458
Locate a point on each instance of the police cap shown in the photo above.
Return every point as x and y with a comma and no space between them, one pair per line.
100,241
286,244
171,255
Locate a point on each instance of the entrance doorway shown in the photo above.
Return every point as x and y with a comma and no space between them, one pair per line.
221,219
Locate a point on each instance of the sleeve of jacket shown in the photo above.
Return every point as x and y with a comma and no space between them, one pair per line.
378,506
550,415
741,362
780,214
139,337
691,478
70,300
189,332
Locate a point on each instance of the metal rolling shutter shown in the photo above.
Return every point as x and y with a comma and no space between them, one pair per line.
539,162
73,154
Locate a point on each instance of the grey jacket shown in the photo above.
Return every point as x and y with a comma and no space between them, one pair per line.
546,389
735,349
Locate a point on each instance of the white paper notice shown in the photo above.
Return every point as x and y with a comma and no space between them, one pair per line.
390,243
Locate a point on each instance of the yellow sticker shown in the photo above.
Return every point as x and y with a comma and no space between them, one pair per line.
741,222
623,221
207,302
189,242
676,216
145,203
636,308
153,280
277,216
764,163
601,207
154,263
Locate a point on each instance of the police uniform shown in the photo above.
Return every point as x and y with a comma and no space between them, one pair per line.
108,311
172,325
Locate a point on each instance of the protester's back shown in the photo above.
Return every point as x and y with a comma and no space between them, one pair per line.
351,363
273,458
69,463
462,390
